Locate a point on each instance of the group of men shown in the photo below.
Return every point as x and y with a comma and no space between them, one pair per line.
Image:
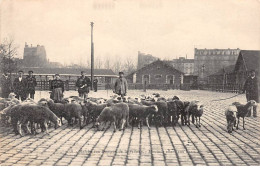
23,87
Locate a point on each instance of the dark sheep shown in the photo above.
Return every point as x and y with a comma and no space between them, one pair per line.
243,110
56,108
91,111
36,114
175,109
194,109
141,113
115,114
73,110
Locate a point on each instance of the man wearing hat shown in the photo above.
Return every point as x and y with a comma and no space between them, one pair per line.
5,85
121,86
20,86
251,90
31,83
57,89
83,84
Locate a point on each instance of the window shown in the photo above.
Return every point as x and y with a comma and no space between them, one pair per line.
157,76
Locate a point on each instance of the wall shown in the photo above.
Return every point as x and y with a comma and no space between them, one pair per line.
209,61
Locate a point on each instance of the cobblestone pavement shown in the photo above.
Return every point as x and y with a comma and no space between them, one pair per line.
181,145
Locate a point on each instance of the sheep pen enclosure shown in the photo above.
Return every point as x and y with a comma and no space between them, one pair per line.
210,144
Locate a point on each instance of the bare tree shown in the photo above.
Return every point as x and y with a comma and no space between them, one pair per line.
8,50
117,65
129,66
107,63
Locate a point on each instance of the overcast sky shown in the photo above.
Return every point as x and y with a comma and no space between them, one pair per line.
163,28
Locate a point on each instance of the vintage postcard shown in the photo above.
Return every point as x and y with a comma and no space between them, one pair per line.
129,82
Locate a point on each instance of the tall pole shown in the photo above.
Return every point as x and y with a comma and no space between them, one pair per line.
92,55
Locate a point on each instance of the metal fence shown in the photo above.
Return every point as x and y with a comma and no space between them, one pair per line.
232,88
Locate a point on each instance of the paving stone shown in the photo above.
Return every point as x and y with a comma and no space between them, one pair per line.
208,145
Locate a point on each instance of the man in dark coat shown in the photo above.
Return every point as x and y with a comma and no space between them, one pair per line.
121,86
20,86
95,83
57,89
6,85
251,89
31,83
83,84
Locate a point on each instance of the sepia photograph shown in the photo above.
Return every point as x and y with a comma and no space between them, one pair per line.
129,83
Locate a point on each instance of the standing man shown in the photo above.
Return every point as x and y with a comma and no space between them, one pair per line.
83,84
121,86
251,90
20,86
31,83
95,83
6,85
57,88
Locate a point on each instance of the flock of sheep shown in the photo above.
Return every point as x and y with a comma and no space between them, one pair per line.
120,112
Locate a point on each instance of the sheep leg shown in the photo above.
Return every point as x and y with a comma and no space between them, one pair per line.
46,128
237,122
123,124
19,126
147,122
199,122
114,123
139,124
244,123
80,125
196,122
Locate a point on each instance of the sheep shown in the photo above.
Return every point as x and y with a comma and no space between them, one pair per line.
194,109
173,112
243,110
92,110
162,113
36,114
116,114
142,112
57,108
73,110
231,113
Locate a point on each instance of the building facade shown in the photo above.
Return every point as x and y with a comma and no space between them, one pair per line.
184,65
157,72
209,61
144,59
34,56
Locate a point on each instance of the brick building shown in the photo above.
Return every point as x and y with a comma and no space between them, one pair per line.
144,59
34,56
183,64
210,61
157,72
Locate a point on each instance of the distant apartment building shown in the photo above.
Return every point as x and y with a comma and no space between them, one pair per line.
145,59
210,61
34,56
183,64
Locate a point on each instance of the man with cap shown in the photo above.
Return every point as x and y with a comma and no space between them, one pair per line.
251,90
121,86
95,83
20,86
6,85
57,89
83,84
31,83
